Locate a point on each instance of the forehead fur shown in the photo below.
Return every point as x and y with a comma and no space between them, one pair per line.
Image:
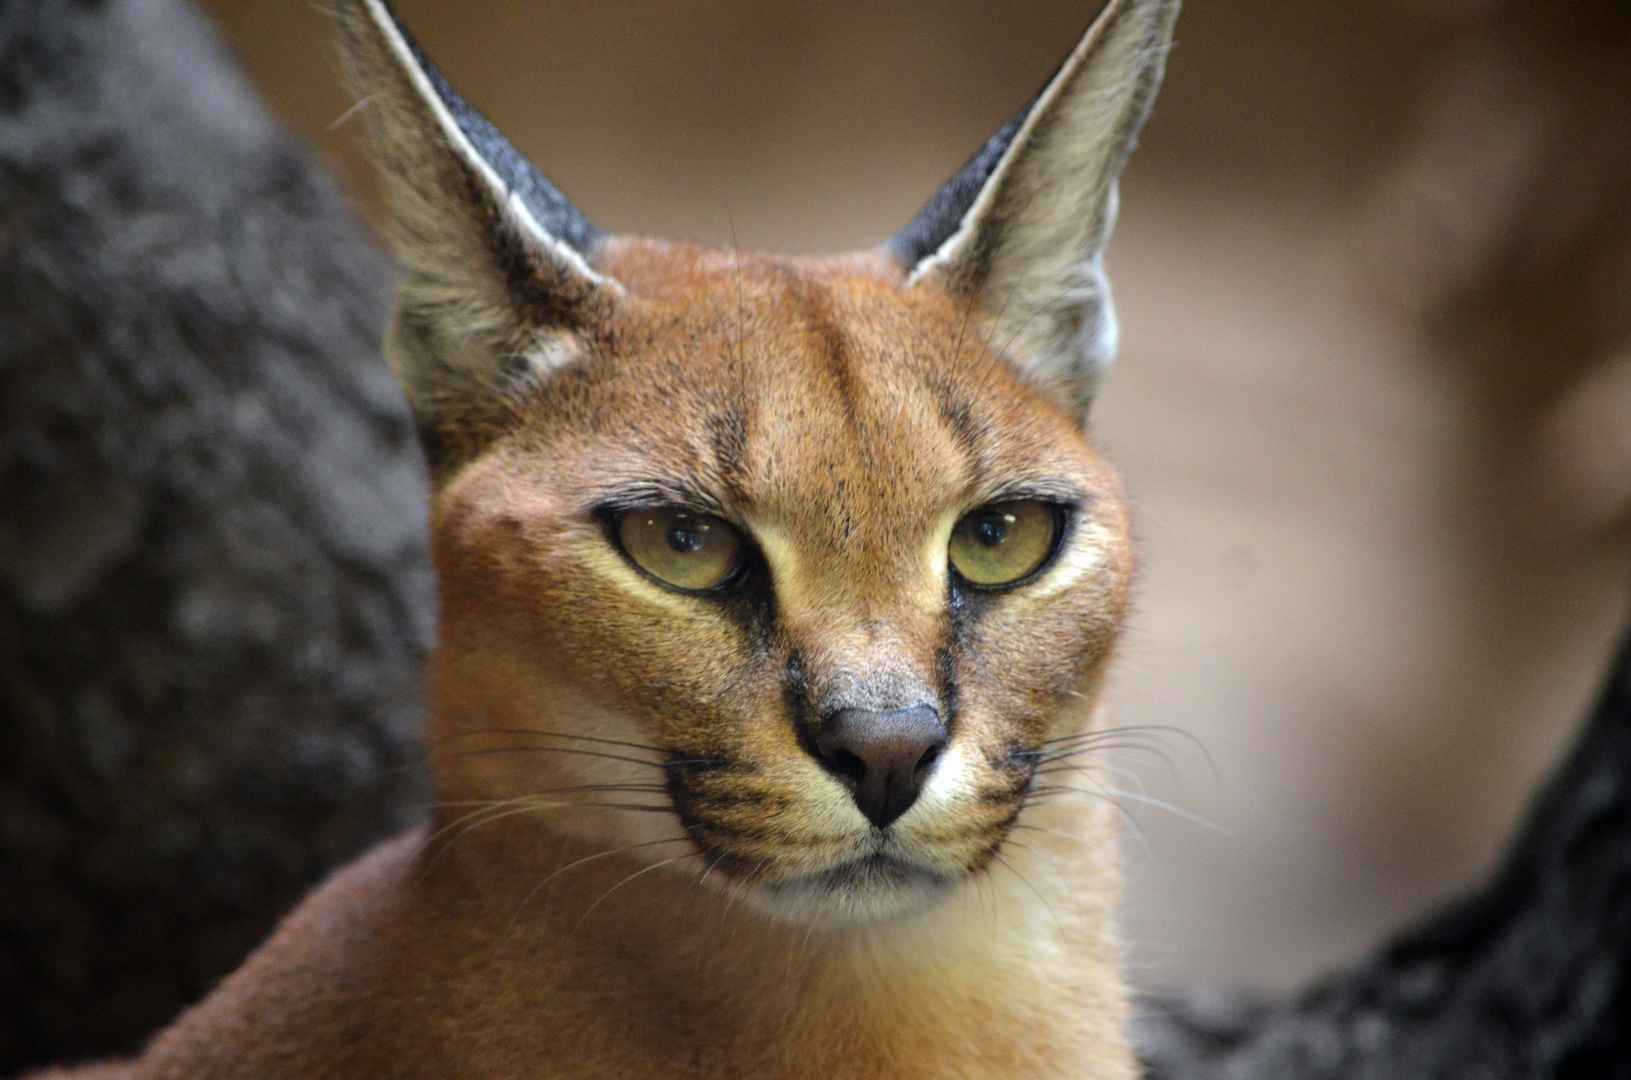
767,382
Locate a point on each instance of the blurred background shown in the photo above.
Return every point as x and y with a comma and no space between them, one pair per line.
1374,404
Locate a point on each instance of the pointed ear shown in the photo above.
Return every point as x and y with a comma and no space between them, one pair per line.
1020,232
498,289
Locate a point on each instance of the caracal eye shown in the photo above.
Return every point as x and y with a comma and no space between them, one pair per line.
1004,542
679,548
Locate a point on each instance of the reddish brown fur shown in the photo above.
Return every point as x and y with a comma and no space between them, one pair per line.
638,866
842,383
474,955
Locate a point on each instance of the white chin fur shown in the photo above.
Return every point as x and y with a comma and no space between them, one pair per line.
853,895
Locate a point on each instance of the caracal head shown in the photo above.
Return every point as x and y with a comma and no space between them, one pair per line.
788,571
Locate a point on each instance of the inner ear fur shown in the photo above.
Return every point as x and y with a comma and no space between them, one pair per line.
1020,232
498,287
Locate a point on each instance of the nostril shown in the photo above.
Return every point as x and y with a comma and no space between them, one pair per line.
881,756
927,761
845,764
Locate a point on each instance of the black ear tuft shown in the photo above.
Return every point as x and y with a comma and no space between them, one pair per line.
498,289
1020,232
548,206
943,214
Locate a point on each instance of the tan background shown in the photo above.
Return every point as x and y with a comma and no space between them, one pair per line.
1369,404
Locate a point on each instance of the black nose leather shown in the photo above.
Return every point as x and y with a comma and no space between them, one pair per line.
883,757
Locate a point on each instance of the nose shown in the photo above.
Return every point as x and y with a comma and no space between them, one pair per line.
882,756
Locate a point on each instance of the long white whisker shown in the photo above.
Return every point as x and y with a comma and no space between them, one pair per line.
638,873
1113,794
580,862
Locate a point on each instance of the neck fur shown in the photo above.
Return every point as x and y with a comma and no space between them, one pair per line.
1013,973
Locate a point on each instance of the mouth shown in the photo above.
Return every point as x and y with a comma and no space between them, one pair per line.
871,887
879,870
788,859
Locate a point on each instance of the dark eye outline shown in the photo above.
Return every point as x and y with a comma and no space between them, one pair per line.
610,518
1064,518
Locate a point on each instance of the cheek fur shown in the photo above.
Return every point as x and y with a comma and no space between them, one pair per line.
568,630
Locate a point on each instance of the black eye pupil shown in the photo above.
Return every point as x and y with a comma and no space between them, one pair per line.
991,531
685,538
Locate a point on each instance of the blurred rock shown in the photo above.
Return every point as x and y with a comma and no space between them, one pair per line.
214,588
1526,977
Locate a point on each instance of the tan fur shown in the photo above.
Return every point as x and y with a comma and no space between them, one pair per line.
636,868
467,951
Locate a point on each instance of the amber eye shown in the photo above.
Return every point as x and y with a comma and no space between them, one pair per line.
686,550
1004,542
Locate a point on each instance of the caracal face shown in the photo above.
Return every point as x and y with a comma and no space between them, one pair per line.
841,425
783,573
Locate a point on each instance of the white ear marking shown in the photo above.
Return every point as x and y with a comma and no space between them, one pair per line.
413,66
1022,228
498,291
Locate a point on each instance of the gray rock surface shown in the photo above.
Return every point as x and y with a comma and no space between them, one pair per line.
214,588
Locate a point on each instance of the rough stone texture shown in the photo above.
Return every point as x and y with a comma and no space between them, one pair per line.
214,588
1529,976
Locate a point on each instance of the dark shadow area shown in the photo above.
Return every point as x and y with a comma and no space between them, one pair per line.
214,589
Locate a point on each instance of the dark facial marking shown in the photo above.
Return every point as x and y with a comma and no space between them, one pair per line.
543,199
728,437
938,220
802,710
946,669
957,412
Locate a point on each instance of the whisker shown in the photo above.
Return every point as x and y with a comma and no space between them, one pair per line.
1058,867
1134,829
962,328
478,808
498,810
1112,794
1127,820
1118,742
742,884
1030,885
1140,755
741,295
362,103
1082,840
644,807
580,753
1021,328
511,807
1142,740
1193,739
575,805
580,862
625,881
710,869
630,788
988,899
1097,767
545,734
1125,729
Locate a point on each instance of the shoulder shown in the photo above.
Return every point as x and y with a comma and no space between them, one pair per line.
344,962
